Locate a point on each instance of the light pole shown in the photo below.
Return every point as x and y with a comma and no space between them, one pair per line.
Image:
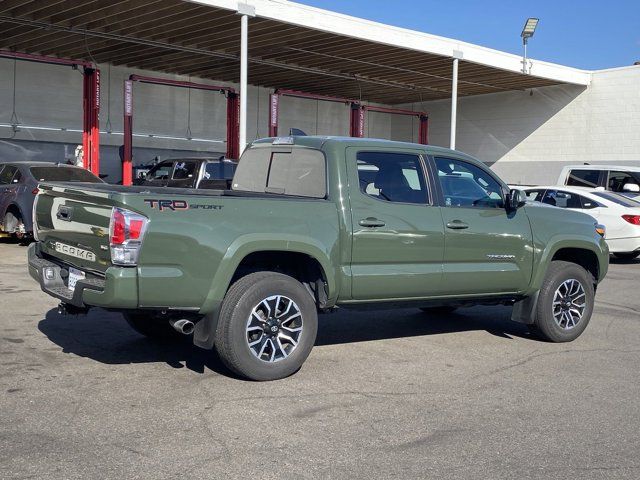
527,32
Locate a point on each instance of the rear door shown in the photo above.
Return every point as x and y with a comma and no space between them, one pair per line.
487,249
398,239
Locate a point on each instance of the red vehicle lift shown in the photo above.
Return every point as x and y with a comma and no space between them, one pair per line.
274,106
233,130
90,103
358,114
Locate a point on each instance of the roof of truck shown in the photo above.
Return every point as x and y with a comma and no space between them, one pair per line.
320,141
629,168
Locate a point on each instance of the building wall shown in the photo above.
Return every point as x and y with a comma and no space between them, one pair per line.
527,136
51,96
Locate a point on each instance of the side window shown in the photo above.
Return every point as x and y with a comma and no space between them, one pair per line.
17,177
534,195
617,181
467,185
184,170
562,199
583,178
160,171
392,177
6,176
587,203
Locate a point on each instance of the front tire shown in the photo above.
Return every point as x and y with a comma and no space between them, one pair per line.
267,326
565,303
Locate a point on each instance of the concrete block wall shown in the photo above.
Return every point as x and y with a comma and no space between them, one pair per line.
51,96
528,136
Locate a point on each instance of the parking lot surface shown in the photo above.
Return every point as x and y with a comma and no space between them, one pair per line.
384,394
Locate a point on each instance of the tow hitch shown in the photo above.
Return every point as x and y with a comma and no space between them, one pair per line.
66,309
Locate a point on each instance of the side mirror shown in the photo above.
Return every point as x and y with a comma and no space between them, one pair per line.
516,199
631,187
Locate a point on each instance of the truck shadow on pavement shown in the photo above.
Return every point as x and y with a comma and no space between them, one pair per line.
106,338
349,326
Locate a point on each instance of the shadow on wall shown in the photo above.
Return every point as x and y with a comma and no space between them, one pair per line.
491,126
511,118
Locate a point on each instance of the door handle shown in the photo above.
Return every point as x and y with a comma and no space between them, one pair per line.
457,225
371,222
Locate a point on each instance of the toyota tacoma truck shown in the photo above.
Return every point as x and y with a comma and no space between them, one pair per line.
311,224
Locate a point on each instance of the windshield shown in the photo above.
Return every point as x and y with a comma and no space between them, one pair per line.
63,174
619,199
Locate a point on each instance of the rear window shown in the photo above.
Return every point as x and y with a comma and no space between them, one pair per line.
619,199
63,174
583,178
292,171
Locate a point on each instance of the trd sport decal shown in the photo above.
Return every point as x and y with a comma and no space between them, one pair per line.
174,205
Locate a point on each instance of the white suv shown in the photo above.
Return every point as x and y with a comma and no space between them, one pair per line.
620,179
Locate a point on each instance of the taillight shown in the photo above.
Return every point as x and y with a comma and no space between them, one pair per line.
34,223
126,231
35,191
632,219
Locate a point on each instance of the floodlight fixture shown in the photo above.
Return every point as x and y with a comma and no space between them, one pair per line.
529,28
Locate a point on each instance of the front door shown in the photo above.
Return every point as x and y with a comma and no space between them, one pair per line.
398,238
487,249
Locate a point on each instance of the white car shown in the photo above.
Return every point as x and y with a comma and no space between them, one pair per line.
618,213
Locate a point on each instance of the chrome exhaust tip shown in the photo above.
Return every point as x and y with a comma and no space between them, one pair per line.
183,326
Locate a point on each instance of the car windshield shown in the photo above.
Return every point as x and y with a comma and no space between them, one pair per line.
619,199
63,174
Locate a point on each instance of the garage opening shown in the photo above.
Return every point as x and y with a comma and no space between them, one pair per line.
312,113
391,123
203,120
26,116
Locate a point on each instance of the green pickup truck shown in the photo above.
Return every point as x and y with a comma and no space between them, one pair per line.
311,224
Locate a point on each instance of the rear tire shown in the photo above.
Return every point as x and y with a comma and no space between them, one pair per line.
152,326
626,255
267,326
565,303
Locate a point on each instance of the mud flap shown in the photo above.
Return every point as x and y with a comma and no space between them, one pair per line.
524,311
204,335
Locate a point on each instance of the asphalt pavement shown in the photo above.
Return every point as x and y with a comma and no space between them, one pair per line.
384,394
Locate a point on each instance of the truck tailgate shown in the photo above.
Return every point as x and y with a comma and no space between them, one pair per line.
72,225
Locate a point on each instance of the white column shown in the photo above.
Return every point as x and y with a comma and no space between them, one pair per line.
244,93
454,104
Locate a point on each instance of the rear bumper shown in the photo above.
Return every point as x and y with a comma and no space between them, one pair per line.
118,288
623,244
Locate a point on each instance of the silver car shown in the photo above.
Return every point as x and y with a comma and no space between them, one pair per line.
19,186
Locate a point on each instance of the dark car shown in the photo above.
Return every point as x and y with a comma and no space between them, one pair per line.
190,173
19,186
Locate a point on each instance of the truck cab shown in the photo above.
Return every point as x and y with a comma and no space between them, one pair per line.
189,173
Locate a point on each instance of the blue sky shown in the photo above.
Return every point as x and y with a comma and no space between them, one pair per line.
584,34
